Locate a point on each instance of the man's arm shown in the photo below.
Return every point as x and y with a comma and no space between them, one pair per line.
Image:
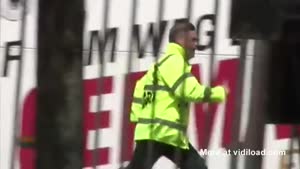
185,85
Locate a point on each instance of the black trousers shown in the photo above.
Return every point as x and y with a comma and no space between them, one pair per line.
148,152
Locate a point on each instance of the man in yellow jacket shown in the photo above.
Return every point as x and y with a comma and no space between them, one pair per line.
160,106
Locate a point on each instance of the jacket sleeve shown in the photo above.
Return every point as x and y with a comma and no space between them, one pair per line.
185,86
137,101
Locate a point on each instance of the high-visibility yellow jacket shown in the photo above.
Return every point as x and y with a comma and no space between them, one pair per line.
161,97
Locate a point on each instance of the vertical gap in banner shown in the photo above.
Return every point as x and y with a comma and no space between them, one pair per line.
182,103
17,115
294,138
0,24
291,147
0,65
156,52
257,119
298,142
100,84
238,104
212,59
126,95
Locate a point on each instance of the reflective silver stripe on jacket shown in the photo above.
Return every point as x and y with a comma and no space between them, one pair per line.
166,88
162,61
163,122
180,80
157,87
137,100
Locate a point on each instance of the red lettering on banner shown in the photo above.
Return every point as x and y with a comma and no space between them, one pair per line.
127,127
285,131
199,113
227,74
28,154
91,89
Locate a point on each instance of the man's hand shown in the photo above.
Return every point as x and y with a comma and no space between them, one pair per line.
218,94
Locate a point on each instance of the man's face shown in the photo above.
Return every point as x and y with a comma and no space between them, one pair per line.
190,43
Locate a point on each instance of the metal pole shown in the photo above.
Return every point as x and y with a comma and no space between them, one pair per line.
189,11
291,146
155,79
156,37
0,65
298,141
17,115
101,71
257,119
127,81
59,85
211,72
238,103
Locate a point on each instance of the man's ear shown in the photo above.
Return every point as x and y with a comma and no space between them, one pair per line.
181,41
